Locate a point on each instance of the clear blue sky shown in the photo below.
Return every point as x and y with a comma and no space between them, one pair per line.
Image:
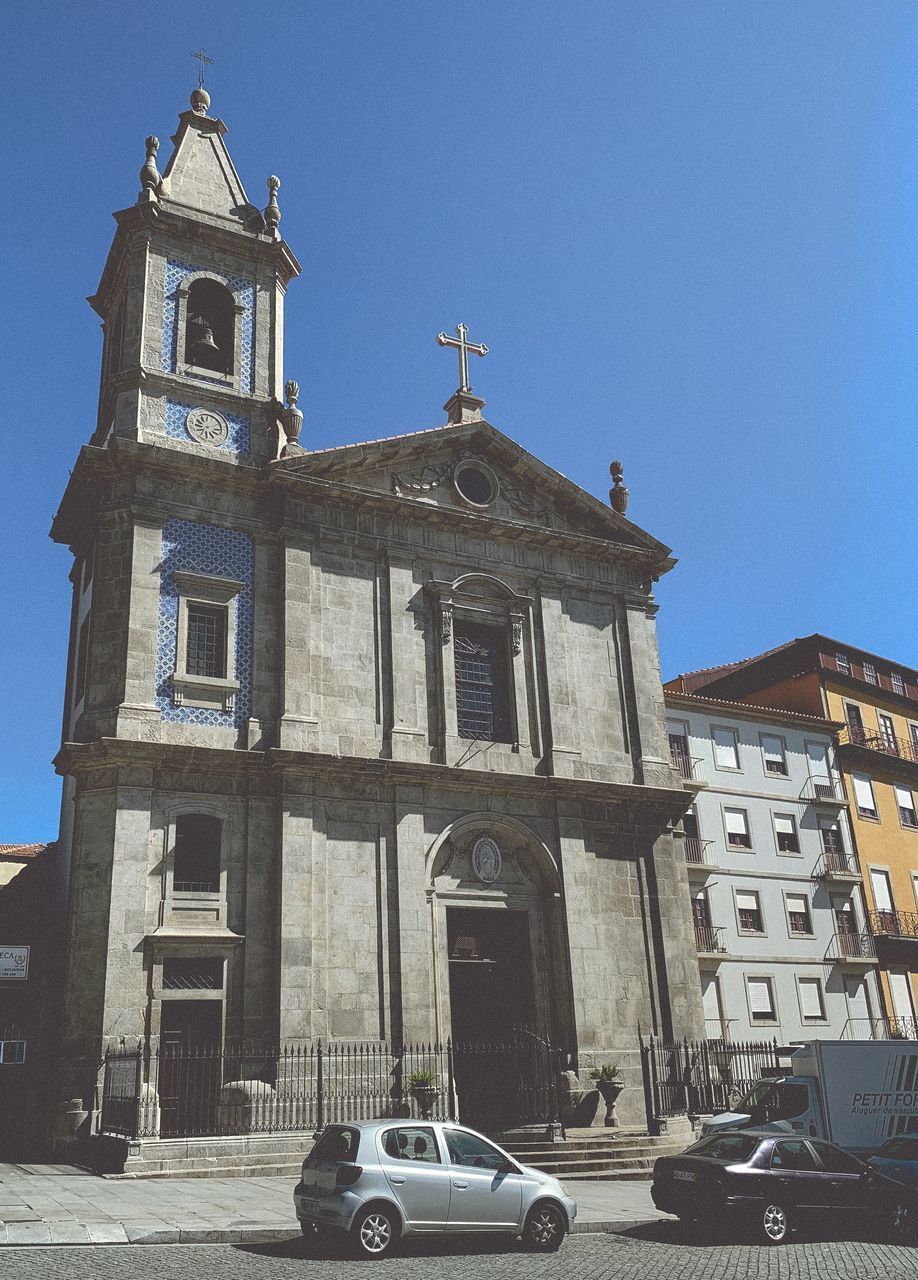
688,231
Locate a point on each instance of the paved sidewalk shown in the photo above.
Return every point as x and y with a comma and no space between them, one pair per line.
59,1204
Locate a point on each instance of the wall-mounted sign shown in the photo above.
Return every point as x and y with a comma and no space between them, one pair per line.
14,962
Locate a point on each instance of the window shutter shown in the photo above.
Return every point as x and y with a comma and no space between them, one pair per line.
903,797
725,748
784,824
760,996
863,791
811,998
879,882
747,901
796,902
736,822
773,749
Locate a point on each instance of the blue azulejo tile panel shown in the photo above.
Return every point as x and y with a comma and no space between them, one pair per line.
223,553
237,441
244,290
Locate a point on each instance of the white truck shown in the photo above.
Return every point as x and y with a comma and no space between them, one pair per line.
855,1093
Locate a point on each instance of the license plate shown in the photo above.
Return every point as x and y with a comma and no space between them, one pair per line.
681,1176
309,1206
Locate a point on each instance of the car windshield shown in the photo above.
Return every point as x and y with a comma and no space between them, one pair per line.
899,1149
338,1144
735,1147
774,1100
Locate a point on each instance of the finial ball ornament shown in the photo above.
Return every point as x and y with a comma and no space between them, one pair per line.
200,101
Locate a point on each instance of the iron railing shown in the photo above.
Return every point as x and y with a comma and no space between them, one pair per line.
855,946
894,924
686,766
835,862
199,1091
887,743
881,1029
695,850
823,789
718,1028
709,939
697,1077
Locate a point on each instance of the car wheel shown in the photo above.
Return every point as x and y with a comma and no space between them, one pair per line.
375,1232
774,1224
904,1222
545,1228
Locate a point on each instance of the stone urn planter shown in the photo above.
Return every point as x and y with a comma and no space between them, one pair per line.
422,1087
610,1085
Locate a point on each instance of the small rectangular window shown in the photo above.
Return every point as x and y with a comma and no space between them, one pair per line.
863,796
206,648
750,913
773,751
870,673
482,683
842,664
898,684
811,1002
726,755
761,999
786,833
905,801
798,913
12,1052
205,974
737,824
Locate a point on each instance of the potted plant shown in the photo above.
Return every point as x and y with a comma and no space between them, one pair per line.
610,1084
422,1085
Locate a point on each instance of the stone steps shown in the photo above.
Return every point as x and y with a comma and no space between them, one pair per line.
597,1157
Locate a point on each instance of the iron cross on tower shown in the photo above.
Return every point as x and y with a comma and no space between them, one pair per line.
203,61
463,346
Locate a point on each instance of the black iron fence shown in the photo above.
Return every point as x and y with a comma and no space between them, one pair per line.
698,1077
200,1091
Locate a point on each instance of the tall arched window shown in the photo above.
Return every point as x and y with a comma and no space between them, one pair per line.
196,858
210,327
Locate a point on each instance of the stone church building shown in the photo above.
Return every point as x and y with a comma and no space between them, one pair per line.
360,743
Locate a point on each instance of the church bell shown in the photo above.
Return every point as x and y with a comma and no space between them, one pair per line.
204,348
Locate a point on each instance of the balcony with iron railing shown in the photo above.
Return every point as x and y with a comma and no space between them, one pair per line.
688,767
709,940
900,925
719,1029
836,865
880,1029
695,851
824,789
854,948
854,737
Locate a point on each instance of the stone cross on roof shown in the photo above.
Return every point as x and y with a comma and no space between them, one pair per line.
463,346
202,61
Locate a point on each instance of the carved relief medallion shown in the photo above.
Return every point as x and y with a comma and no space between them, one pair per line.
207,426
486,859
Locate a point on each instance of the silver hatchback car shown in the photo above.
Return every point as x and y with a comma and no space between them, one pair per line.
379,1180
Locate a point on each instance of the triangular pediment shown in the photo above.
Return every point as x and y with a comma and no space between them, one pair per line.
502,481
200,175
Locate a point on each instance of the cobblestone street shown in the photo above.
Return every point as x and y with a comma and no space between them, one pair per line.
648,1253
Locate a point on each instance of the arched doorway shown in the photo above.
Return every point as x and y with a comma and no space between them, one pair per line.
501,972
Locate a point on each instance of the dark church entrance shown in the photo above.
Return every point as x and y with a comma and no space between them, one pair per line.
504,1069
190,1065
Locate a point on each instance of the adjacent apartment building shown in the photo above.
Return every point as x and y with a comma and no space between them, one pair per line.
779,915
876,702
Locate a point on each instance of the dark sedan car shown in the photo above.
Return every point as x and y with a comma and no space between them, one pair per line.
771,1182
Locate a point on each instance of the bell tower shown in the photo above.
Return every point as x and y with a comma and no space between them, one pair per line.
192,302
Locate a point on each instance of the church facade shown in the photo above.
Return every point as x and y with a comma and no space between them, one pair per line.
360,743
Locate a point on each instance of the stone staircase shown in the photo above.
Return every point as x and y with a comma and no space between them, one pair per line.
595,1154
600,1155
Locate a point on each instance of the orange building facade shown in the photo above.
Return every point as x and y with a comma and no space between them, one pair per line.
877,752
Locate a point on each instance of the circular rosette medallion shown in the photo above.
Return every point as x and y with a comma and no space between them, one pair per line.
207,426
486,859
